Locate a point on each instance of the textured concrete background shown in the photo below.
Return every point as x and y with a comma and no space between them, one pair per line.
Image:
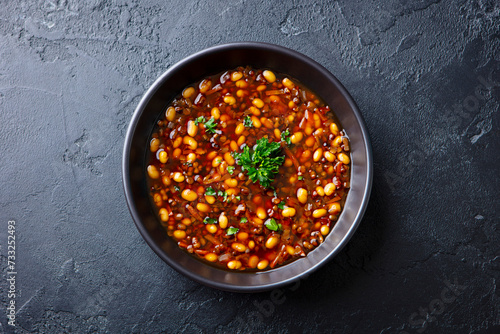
426,76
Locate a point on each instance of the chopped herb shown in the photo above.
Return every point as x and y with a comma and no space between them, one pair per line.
248,122
209,220
210,192
261,163
243,220
210,125
177,188
300,177
238,198
232,230
199,120
275,194
272,225
230,169
285,136
281,205
189,164
223,194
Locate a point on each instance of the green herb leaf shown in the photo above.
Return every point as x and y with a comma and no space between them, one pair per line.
261,163
199,120
272,225
210,125
223,194
230,169
209,220
281,205
210,192
238,198
232,230
285,136
247,122
243,220
300,177
177,188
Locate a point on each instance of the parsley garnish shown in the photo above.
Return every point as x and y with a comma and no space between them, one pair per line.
232,230
177,188
210,192
209,220
272,225
285,136
210,125
281,205
199,120
300,177
230,169
261,163
238,198
243,220
248,122
223,194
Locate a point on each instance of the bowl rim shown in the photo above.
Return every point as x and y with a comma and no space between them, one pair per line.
126,182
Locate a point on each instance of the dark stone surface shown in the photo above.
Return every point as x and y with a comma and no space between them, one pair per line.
426,75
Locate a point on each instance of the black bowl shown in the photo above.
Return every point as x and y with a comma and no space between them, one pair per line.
212,61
